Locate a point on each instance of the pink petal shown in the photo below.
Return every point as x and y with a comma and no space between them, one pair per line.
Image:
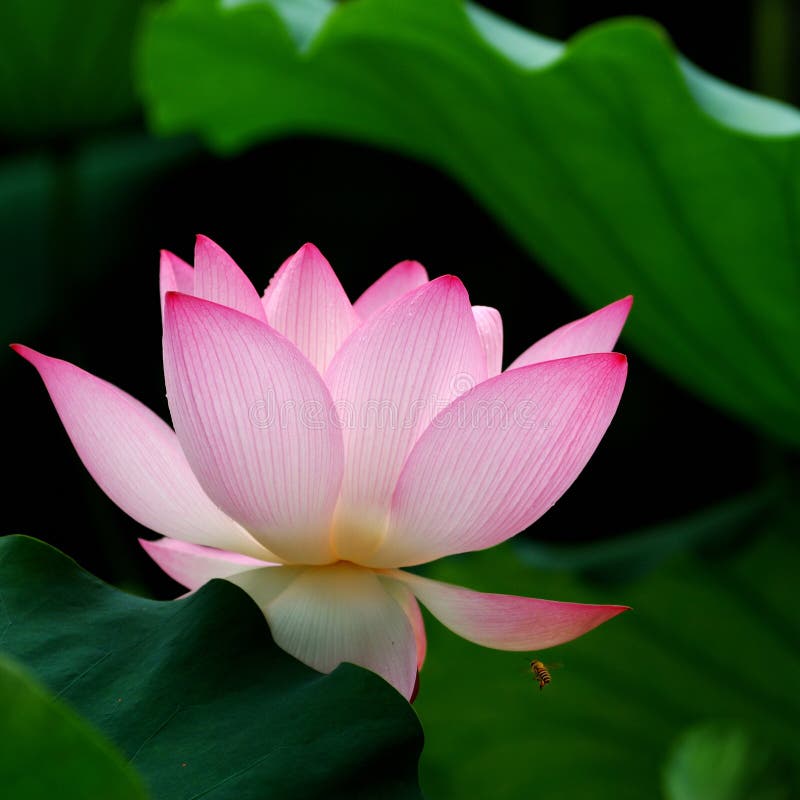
504,621
192,565
176,276
399,280
219,279
597,333
256,423
307,304
135,457
388,381
274,281
499,457
490,329
328,615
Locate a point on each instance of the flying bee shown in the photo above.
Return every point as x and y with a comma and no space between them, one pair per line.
541,672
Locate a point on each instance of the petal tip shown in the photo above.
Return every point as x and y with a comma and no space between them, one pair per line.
411,265
171,298
309,248
29,354
448,283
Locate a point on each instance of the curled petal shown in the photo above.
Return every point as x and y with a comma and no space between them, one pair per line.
256,423
328,615
135,457
192,565
504,621
399,280
218,278
500,456
490,329
596,333
308,305
388,380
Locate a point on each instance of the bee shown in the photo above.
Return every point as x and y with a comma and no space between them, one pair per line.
540,673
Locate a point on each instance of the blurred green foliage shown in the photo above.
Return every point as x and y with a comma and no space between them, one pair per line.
720,761
48,751
66,214
622,166
65,66
197,695
710,639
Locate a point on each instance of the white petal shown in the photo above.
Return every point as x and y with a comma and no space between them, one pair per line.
328,615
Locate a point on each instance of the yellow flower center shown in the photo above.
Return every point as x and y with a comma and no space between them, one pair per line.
355,537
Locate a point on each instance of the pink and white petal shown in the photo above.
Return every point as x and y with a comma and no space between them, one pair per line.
388,380
504,621
406,600
499,457
257,425
218,278
341,613
490,329
596,333
135,457
175,276
192,565
308,305
399,280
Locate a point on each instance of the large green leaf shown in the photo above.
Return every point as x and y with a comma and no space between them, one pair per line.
48,751
195,692
622,166
65,65
708,642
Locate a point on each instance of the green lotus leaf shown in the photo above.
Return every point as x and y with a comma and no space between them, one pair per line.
196,694
621,166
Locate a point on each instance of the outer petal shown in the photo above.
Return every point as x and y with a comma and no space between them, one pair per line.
499,457
219,279
504,621
597,333
327,615
256,423
192,565
307,304
176,276
135,457
490,329
399,280
388,381
406,600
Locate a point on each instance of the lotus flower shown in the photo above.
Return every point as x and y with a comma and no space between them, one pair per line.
321,446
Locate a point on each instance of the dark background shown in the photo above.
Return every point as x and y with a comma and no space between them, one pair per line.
666,455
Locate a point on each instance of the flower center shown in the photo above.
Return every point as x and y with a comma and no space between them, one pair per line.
355,537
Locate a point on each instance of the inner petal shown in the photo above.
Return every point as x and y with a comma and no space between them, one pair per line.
356,536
